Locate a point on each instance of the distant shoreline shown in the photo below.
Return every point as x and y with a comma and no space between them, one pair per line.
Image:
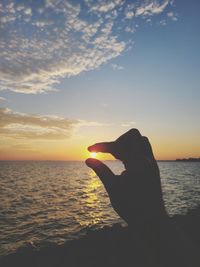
189,160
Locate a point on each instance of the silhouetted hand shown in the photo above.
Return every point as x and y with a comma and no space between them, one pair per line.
135,194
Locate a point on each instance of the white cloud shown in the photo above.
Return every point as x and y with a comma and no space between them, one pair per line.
104,6
30,126
116,67
129,15
19,125
163,22
89,123
130,29
172,16
151,7
3,98
52,39
28,11
42,23
128,124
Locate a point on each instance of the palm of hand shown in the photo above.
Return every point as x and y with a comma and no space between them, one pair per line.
135,194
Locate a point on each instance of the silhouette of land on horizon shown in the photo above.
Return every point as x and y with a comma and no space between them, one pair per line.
189,159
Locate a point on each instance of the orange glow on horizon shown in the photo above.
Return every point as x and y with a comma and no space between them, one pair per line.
75,148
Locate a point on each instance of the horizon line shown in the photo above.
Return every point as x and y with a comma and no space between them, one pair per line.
54,160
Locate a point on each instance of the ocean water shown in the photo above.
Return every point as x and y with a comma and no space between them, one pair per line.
52,202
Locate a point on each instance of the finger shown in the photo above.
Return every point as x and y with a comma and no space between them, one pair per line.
131,135
105,147
126,148
104,173
149,155
129,146
147,148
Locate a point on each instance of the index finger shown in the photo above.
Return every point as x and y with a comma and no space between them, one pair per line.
103,171
104,147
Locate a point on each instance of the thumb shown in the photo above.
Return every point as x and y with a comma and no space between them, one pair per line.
104,173
104,147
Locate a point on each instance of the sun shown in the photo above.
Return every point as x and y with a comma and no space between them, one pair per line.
93,155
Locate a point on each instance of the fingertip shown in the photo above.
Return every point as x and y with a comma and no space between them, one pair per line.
87,162
90,162
135,132
89,148
148,148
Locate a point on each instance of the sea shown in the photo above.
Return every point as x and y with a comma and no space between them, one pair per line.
45,202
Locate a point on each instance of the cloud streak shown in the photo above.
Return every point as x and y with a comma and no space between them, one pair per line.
3,98
19,125
116,67
44,41
151,8
30,126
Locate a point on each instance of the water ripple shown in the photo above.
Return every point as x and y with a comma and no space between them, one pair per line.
45,202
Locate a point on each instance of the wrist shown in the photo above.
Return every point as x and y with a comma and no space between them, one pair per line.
152,227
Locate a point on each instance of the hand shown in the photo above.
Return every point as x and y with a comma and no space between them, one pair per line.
135,194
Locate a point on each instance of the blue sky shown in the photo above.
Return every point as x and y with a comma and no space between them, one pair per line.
108,65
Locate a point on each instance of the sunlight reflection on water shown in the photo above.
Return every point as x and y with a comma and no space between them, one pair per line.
56,201
91,201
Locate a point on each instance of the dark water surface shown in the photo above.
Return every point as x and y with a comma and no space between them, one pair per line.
44,202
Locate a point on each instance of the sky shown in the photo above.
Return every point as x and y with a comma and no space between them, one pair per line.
73,73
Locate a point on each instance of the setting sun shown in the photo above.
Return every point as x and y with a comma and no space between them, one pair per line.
93,155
